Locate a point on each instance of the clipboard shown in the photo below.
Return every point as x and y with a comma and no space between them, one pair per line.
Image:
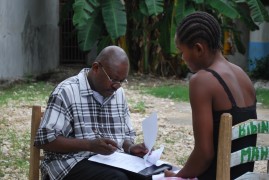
121,161
153,170
145,174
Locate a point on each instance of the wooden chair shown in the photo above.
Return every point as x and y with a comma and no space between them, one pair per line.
226,159
35,156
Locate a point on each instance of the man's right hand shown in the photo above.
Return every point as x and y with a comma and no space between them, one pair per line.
66,145
103,146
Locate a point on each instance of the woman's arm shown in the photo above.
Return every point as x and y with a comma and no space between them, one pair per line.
201,104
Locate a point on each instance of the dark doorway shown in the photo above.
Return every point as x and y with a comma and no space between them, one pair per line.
69,50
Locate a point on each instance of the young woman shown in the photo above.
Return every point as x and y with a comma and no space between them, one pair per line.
217,86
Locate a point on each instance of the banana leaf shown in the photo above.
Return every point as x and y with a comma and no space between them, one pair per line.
246,18
198,1
224,7
87,18
168,28
143,8
114,15
151,7
257,11
83,10
183,9
154,7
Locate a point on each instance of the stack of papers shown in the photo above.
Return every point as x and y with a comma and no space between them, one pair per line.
134,163
121,160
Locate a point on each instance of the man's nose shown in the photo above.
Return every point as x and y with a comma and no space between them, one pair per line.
116,86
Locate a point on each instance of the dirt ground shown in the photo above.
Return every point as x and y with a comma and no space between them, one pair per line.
174,118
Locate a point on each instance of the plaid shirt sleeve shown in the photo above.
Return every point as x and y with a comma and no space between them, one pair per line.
55,119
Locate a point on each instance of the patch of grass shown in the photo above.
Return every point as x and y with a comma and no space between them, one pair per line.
140,107
27,92
135,106
182,160
169,141
14,150
263,96
176,92
181,93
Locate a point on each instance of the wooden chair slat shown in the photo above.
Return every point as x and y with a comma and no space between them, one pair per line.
226,159
249,154
34,152
252,126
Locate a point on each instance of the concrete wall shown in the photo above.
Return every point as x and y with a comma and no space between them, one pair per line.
29,37
259,43
256,43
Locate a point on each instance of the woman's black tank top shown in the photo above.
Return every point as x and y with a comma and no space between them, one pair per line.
239,114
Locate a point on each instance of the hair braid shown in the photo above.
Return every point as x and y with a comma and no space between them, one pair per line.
197,26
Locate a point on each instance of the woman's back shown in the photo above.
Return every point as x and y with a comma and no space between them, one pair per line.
223,88
238,83
242,87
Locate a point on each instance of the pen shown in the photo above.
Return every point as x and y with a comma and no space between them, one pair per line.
102,136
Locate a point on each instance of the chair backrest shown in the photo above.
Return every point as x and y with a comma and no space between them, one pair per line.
226,159
35,156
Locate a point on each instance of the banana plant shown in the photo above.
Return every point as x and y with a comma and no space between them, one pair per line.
96,20
154,23
149,9
249,12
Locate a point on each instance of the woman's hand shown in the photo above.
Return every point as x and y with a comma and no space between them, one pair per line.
168,173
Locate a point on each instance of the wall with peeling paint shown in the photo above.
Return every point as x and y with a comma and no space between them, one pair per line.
29,37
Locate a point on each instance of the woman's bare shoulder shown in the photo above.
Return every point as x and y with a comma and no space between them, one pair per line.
201,77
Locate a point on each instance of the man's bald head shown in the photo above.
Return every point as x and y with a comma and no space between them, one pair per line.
113,56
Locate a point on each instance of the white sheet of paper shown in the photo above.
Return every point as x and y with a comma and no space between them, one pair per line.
155,156
120,160
150,129
161,176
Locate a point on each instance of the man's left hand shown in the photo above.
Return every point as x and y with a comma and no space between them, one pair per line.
138,150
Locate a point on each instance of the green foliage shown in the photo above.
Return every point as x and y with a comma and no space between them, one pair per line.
181,93
140,107
113,12
257,10
261,70
182,160
149,34
176,92
224,7
97,19
137,106
152,7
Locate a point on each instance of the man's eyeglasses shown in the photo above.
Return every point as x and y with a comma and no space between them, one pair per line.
112,80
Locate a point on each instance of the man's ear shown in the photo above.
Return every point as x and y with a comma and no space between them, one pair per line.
95,66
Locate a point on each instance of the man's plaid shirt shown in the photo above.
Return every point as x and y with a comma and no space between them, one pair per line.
72,111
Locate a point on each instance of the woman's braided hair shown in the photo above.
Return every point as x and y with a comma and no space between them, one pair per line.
199,26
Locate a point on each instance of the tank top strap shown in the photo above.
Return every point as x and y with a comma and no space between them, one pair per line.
224,85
